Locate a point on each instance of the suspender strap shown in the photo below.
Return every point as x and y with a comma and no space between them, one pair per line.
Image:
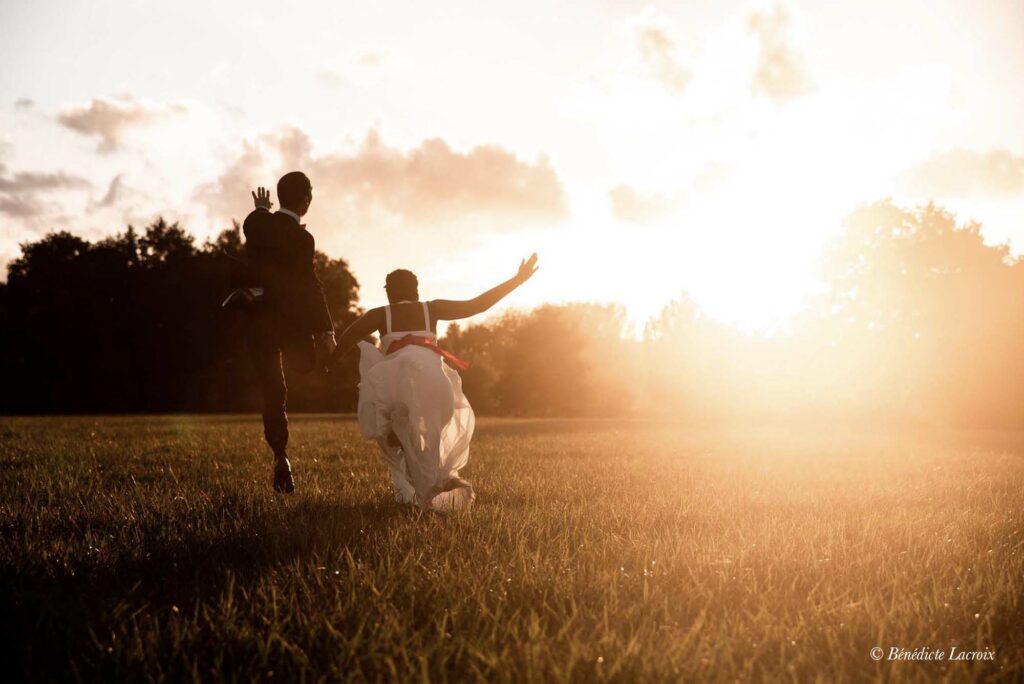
426,317
387,319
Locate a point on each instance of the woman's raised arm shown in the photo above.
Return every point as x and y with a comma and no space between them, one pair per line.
453,310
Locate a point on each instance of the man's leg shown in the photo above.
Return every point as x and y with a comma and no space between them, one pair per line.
275,418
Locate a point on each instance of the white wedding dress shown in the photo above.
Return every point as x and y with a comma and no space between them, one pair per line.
415,394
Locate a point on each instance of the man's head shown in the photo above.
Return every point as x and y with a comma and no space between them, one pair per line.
402,286
295,192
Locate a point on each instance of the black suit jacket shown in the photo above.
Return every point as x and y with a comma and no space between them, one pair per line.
280,253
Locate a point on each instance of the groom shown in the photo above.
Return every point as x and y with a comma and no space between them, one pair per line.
293,322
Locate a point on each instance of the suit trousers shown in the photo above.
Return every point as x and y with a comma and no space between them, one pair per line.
269,354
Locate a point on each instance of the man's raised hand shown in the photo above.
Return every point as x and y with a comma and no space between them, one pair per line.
527,267
261,198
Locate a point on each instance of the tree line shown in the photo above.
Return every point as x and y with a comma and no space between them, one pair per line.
919,320
133,323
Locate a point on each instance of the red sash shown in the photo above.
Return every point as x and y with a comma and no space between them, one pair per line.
428,343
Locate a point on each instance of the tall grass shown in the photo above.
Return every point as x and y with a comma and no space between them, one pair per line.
153,547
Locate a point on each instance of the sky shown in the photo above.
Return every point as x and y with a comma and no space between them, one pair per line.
643,150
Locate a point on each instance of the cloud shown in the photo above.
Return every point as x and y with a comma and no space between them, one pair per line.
110,118
24,103
20,206
659,54
429,184
19,194
634,206
781,73
962,174
115,191
357,68
331,78
713,177
370,60
644,207
32,181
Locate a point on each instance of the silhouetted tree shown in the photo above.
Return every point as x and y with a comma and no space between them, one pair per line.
921,320
931,316
568,360
485,345
134,323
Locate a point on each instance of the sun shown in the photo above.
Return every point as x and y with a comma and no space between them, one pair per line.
753,266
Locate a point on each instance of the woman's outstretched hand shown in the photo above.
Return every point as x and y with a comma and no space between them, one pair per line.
527,267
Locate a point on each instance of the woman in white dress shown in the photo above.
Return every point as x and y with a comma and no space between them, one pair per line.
410,396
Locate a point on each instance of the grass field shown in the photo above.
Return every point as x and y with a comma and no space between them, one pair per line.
153,547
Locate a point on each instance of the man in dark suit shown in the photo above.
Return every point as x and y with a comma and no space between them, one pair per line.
293,322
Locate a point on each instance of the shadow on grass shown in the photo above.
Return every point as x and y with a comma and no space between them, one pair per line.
53,616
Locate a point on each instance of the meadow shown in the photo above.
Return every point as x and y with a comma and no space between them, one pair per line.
154,548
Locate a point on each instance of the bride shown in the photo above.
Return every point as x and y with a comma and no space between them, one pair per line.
410,396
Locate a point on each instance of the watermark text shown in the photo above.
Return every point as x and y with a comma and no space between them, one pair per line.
952,653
